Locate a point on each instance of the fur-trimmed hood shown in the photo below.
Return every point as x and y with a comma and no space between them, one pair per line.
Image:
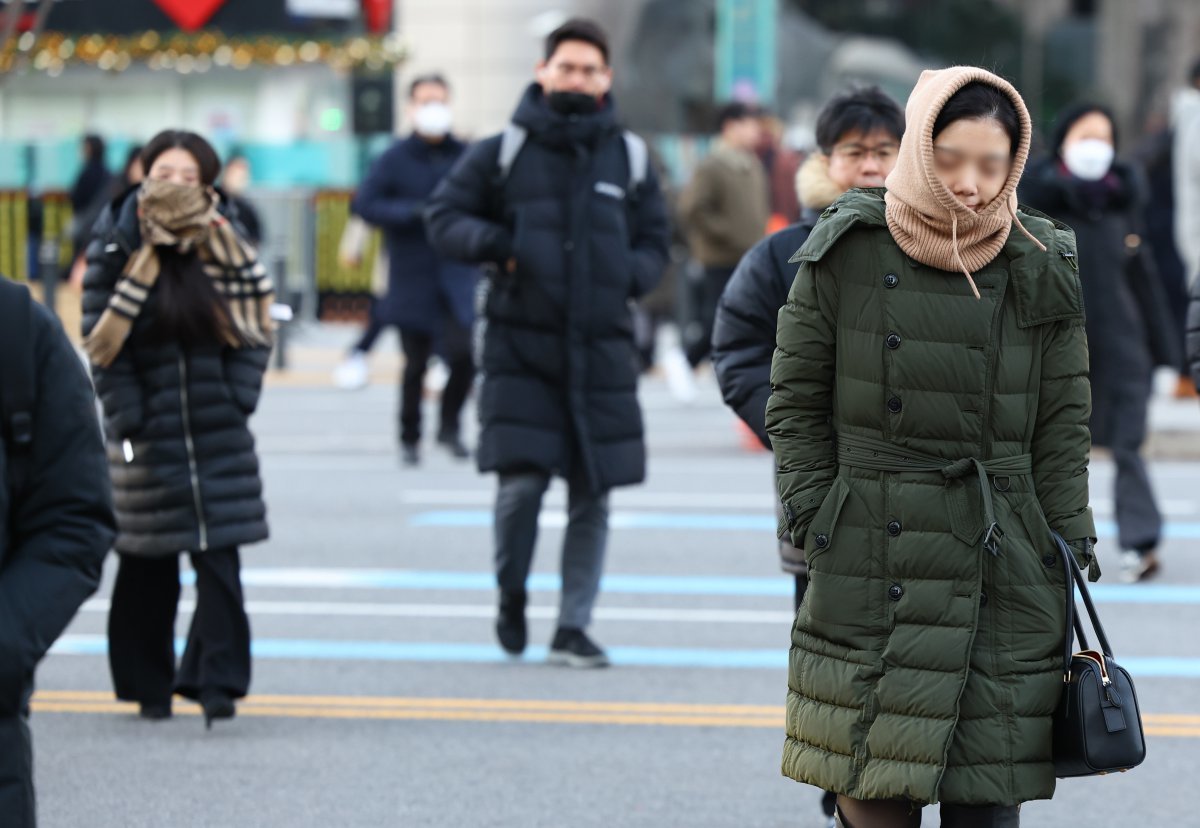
814,188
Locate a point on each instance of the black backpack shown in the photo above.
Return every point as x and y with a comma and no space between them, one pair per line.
16,380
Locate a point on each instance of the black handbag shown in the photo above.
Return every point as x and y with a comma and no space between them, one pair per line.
1098,726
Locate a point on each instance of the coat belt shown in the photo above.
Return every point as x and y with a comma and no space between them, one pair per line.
862,452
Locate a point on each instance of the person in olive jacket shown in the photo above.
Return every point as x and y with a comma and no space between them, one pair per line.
573,235
858,134
1130,326
929,416
176,322
56,520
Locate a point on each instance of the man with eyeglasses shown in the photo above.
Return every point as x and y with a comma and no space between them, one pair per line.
858,135
566,213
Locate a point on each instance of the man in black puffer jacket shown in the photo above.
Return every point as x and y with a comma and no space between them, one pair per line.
56,519
858,134
573,226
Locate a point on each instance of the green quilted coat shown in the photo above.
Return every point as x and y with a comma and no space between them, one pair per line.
927,442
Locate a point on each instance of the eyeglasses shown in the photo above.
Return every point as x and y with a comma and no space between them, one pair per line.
857,153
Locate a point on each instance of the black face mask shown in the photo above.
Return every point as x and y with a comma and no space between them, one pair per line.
573,103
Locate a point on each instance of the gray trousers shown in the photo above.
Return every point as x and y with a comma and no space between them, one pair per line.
1119,423
518,504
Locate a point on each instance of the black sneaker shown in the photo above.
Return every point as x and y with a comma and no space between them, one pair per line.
510,622
451,442
410,455
572,648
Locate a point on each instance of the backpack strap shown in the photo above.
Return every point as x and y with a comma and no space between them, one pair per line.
639,160
511,141
16,378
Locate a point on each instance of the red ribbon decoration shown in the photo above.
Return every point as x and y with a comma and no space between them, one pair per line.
189,15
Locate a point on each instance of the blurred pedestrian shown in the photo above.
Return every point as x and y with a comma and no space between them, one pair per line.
1186,159
929,420
1130,329
724,211
781,163
56,520
132,173
858,135
430,297
90,192
566,209
176,325
235,180
1155,155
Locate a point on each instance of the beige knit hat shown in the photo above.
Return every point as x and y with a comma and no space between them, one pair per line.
924,217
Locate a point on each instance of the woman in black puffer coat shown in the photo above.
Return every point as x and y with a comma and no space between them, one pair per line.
1129,323
176,325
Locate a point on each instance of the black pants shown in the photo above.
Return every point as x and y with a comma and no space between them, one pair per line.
853,813
418,347
141,629
709,294
371,333
16,773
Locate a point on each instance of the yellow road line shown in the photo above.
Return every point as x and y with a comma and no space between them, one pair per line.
530,711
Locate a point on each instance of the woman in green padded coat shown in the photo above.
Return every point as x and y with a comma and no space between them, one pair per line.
929,415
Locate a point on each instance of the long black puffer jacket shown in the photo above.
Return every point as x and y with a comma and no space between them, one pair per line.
559,364
193,481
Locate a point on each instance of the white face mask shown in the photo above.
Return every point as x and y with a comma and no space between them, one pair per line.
1089,159
433,120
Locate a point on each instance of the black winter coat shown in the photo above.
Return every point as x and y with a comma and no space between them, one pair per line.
423,287
744,330
193,481
56,529
559,363
1129,324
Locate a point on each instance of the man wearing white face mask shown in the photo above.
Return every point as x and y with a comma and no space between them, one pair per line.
429,298
1130,329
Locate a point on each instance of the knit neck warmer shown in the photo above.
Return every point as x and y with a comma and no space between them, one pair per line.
185,217
924,217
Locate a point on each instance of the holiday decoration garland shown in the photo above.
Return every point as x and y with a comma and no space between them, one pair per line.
195,52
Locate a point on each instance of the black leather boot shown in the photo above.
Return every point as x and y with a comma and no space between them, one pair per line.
510,623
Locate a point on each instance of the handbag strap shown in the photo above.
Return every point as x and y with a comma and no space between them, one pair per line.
1075,580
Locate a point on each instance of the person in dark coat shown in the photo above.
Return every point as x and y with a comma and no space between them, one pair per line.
90,190
1129,324
235,179
56,520
570,245
176,325
430,297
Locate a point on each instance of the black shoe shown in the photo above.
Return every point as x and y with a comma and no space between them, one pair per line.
217,704
572,648
410,454
510,623
450,440
155,711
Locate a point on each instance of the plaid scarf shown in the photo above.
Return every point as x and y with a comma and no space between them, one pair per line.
185,217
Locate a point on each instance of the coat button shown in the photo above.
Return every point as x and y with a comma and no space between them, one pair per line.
894,405
894,528
891,280
1049,560
895,592
893,341
821,541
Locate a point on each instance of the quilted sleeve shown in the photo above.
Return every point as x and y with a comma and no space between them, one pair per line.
1061,440
800,410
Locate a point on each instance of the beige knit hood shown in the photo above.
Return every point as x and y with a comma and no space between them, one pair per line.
924,217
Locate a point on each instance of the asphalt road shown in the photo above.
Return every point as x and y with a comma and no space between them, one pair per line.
380,698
